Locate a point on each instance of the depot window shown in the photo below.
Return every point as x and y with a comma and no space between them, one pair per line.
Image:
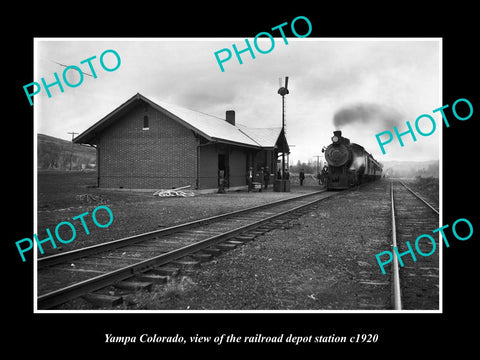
145,123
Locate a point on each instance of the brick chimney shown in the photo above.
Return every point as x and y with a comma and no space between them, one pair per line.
230,116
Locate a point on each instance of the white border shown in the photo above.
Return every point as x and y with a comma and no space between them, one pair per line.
35,209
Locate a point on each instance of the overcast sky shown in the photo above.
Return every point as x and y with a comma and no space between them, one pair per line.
359,86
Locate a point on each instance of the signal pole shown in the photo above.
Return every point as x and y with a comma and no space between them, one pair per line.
283,91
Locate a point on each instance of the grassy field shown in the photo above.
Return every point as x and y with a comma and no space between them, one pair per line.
64,189
428,188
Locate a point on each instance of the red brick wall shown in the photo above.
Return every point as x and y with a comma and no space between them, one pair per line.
208,167
162,157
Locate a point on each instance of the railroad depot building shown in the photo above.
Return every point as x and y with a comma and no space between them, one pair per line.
151,144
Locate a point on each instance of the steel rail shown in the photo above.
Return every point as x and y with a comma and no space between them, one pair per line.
396,293
63,295
116,244
419,197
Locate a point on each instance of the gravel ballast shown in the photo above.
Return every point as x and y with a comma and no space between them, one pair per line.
324,260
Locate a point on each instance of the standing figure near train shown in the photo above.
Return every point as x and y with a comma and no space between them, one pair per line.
324,174
325,170
302,177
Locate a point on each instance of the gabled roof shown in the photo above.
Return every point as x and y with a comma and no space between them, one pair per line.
211,127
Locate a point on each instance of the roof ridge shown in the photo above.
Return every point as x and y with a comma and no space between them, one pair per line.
183,107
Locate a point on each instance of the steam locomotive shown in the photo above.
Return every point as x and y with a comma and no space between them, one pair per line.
349,164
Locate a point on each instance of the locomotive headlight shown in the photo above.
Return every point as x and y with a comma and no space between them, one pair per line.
335,139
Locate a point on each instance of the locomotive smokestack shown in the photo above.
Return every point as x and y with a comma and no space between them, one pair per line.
337,133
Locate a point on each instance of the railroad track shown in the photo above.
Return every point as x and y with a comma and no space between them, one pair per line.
416,284
137,262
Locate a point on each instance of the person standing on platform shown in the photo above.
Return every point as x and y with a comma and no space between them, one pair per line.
250,178
221,181
302,177
266,177
261,177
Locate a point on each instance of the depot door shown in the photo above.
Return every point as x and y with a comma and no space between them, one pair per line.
223,167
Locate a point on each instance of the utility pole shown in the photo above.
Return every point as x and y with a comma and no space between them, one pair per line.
71,149
317,156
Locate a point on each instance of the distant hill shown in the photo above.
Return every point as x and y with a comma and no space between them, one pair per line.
411,169
55,153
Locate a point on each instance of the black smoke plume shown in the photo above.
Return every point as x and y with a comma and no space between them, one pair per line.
367,113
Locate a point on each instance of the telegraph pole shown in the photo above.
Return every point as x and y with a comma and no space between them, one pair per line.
71,149
317,156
